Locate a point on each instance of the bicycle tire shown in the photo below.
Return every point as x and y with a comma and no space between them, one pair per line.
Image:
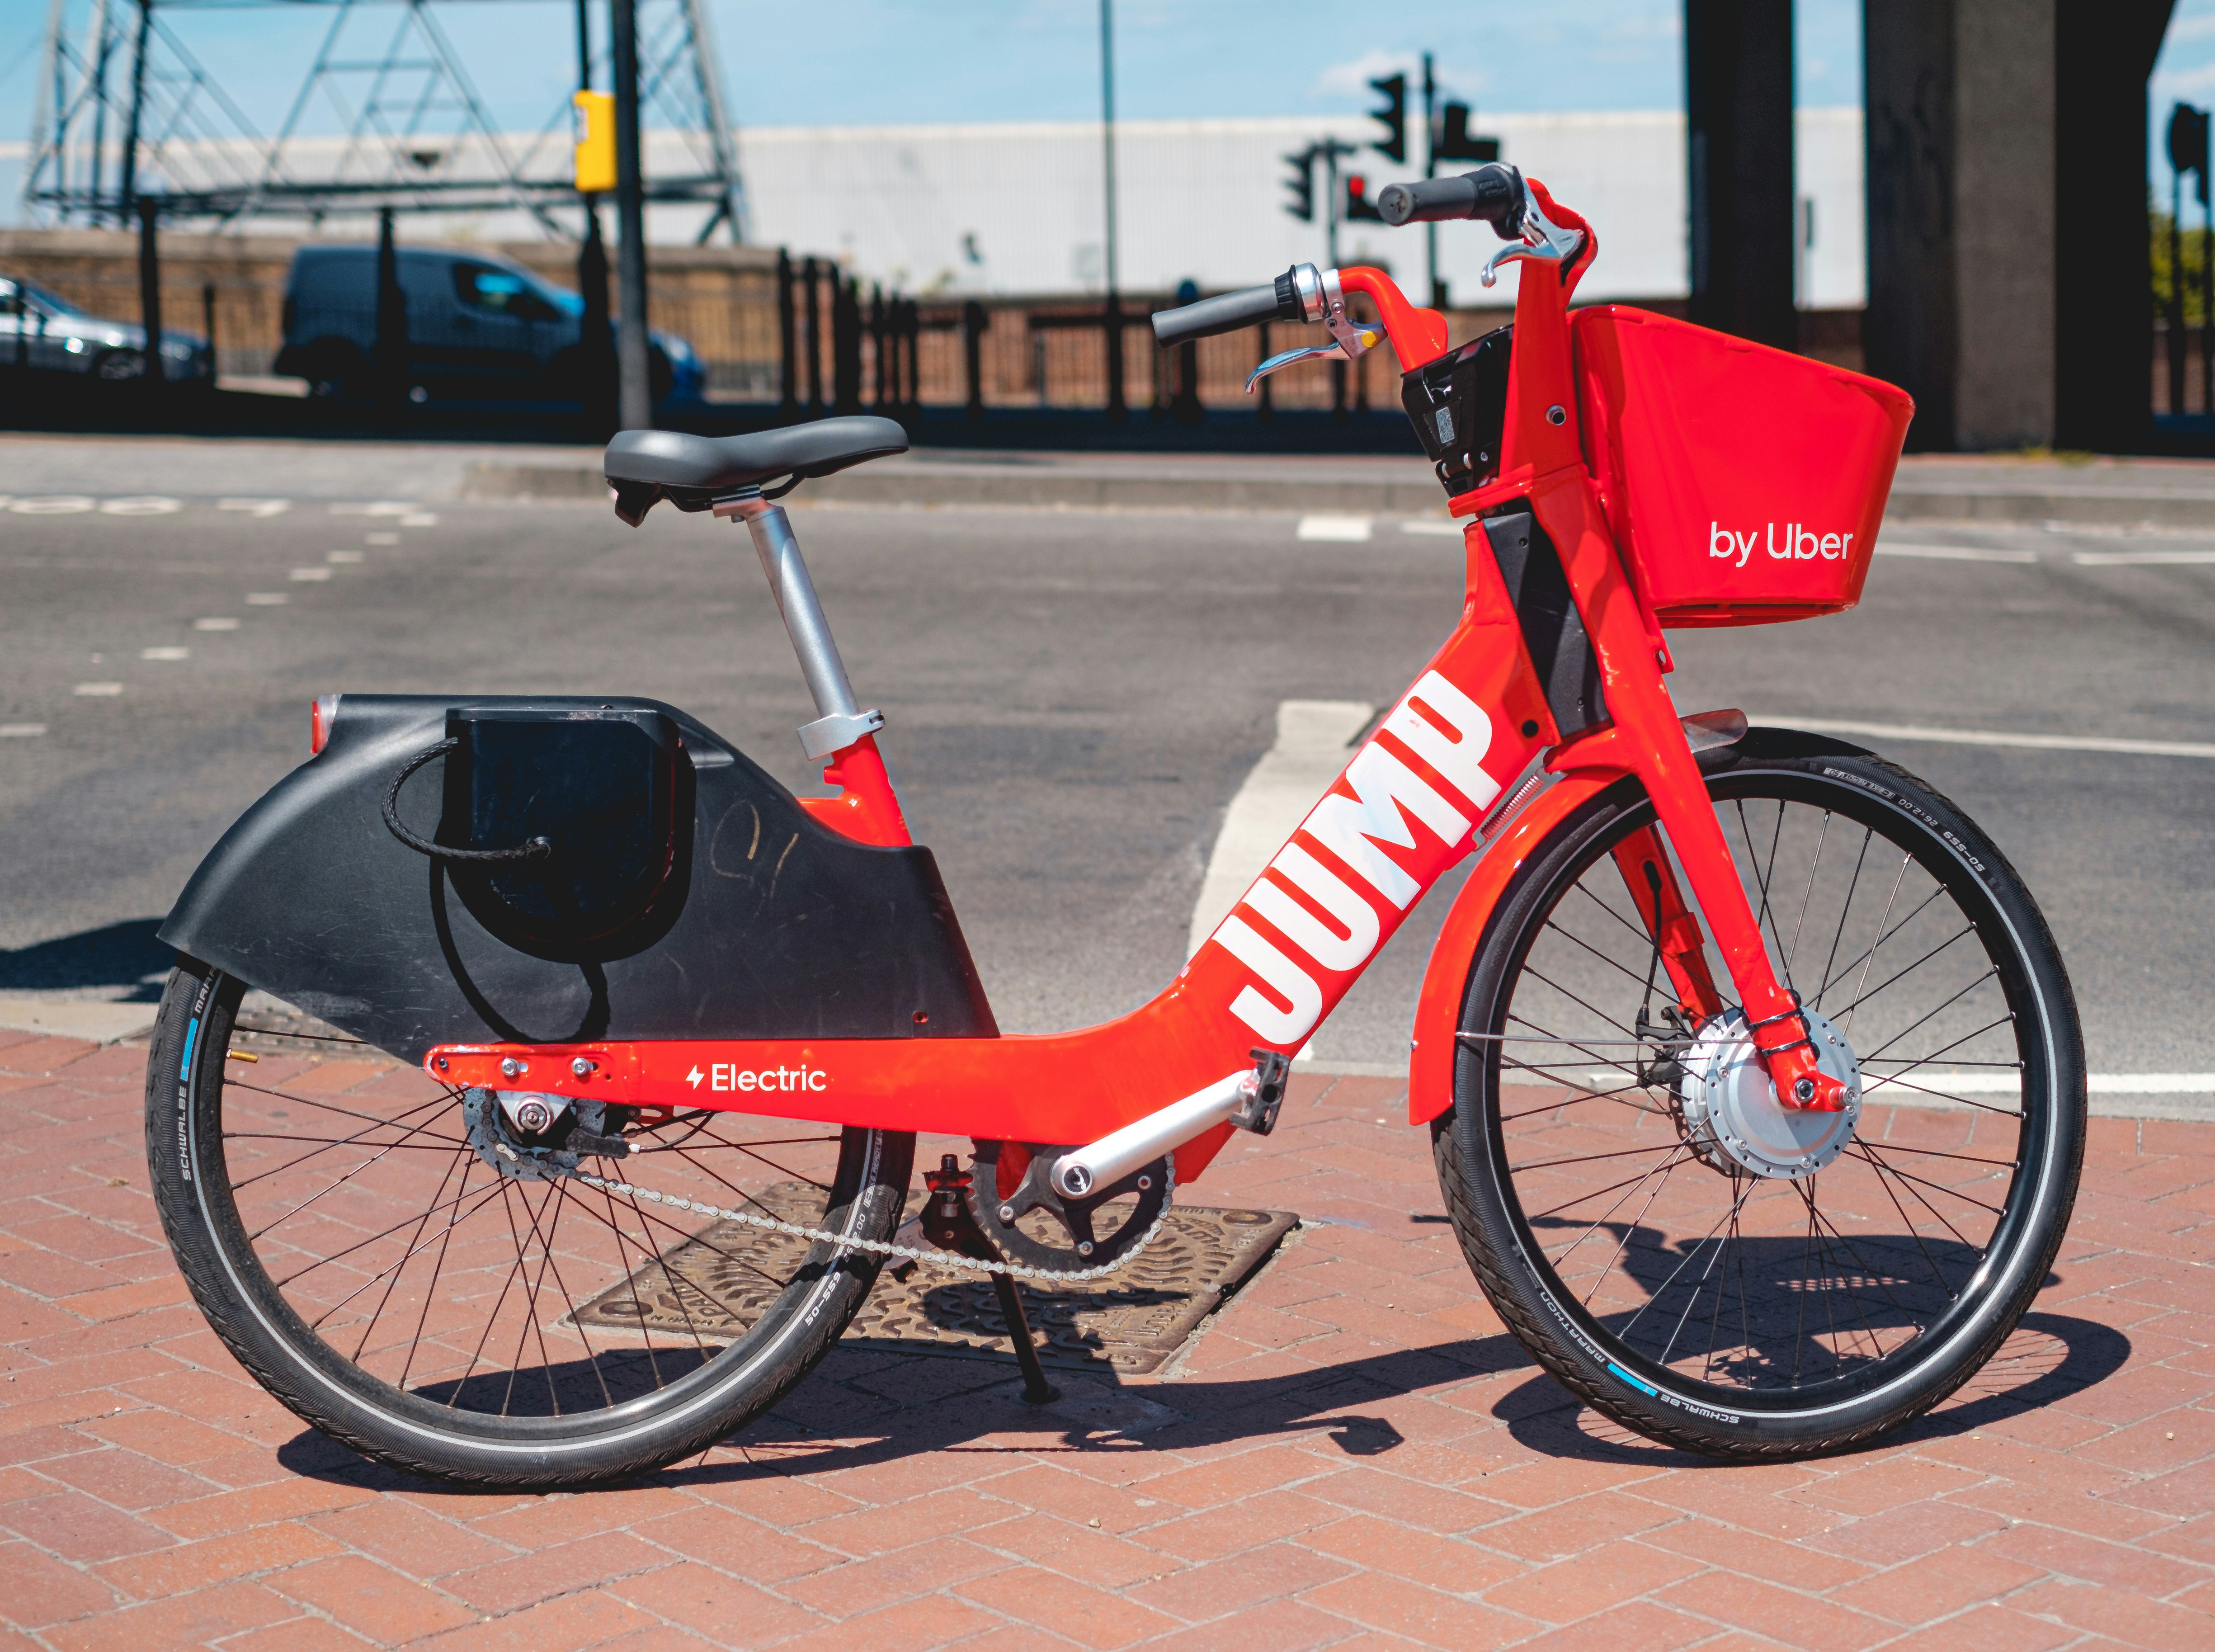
663,1404
1930,1332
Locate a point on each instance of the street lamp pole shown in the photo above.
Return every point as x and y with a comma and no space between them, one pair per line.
635,400
1115,317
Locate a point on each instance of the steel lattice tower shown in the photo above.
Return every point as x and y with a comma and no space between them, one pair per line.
386,115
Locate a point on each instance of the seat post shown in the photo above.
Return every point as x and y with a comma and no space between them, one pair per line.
840,721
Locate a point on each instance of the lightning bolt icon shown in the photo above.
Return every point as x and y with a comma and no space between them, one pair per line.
693,1077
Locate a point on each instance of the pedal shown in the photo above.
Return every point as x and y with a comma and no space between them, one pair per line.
1272,1071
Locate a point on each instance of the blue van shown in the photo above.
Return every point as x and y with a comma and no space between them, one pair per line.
478,326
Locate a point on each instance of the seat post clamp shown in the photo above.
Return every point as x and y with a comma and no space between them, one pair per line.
835,732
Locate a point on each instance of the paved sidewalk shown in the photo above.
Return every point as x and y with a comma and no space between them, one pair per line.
1352,1455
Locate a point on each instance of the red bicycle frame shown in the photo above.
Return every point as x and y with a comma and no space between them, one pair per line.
1424,791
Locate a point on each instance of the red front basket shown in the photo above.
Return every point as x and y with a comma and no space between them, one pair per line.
1745,485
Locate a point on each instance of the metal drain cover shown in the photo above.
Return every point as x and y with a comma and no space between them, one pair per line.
717,1284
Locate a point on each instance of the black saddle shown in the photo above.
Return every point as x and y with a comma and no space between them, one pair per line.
692,472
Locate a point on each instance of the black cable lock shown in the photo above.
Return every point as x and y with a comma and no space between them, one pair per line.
535,849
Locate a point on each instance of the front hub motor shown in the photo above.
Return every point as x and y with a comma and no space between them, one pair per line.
1733,1118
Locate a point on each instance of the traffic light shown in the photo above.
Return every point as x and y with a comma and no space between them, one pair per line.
1393,117
2187,145
1301,184
1358,204
1454,143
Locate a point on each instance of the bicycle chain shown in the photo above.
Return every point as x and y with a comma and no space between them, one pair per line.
934,1256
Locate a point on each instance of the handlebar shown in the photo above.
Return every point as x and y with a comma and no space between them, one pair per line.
1492,192
1227,312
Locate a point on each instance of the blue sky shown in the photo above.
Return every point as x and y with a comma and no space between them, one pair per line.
868,61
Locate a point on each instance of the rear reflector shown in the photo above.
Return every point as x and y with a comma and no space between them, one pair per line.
321,715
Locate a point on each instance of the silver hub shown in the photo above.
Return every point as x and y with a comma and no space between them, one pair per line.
1732,1119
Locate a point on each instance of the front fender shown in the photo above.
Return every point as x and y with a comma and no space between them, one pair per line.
1438,1010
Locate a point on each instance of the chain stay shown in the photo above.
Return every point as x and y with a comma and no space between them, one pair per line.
932,1257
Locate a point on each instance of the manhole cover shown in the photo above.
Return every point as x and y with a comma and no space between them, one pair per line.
718,1284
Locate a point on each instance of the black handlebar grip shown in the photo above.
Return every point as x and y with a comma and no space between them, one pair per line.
1492,192
1227,312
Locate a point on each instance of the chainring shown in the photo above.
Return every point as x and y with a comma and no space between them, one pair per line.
1000,1203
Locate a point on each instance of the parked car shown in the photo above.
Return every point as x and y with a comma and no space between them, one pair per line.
477,325
39,328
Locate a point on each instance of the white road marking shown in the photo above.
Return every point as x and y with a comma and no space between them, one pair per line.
142,505
171,653
310,576
21,730
420,520
1981,737
267,598
344,557
1432,524
256,506
1314,742
99,691
2127,558
377,507
54,504
1953,553
380,539
1348,529
215,622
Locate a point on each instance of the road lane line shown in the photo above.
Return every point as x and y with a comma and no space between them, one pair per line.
1432,524
1953,553
99,691
216,622
1331,527
2143,558
1983,737
1314,739
267,598
168,653
21,730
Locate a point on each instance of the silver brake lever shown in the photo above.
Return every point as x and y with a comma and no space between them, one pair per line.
1327,304
1544,241
1368,336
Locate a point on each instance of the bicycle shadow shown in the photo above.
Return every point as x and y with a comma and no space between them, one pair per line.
867,1407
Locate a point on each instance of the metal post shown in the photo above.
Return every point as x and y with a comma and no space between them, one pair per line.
634,397
809,275
2207,290
788,354
881,337
1431,170
2176,345
150,290
207,326
974,321
392,362
1113,317
596,339
128,189
1266,409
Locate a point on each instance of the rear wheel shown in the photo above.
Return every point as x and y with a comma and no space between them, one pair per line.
1697,1263
416,1271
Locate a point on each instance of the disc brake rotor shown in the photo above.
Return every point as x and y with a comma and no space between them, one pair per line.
1733,1120
1010,1184
533,1137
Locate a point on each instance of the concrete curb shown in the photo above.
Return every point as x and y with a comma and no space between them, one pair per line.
1048,486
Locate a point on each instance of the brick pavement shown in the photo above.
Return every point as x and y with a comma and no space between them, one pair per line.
1352,1455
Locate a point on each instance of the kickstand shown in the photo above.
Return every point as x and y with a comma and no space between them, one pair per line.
948,1224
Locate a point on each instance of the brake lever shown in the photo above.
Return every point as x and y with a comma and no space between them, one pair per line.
1544,241
1365,340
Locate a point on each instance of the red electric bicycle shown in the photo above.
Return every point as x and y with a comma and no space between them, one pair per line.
1752,1075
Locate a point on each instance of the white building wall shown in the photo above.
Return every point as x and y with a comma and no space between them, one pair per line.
1203,200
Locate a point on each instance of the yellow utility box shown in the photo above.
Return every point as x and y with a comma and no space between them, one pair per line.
593,131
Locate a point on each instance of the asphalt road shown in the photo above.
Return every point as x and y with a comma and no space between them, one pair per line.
1073,698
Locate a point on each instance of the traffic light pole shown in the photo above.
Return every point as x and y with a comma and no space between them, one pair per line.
1116,410
1431,170
635,400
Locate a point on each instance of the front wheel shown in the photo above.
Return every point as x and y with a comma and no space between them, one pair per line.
420,1272
1689,1259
